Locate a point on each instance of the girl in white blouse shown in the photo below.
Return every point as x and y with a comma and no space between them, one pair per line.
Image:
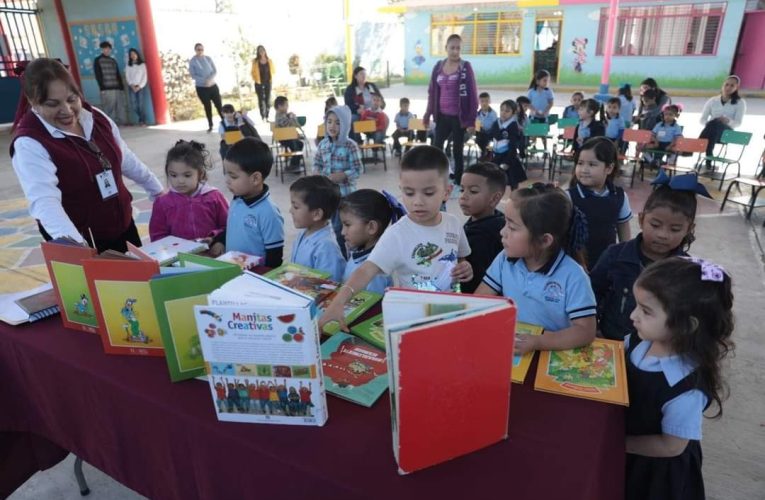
722,112
135,75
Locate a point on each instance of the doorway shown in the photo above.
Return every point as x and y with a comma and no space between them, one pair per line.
748,63
547,45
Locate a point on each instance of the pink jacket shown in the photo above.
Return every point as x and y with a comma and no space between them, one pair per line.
200,215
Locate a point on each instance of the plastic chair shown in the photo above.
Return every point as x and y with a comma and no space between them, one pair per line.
731,142
685,146
283,157
320,132
535,131
756,185
565,123
369,127
415,125
566,153
639,138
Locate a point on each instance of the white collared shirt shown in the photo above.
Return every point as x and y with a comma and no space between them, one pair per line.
37,175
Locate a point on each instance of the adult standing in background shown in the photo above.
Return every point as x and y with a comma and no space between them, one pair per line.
262,73
69,158
722,112
452,101
358,96
135,75
110,84
203,71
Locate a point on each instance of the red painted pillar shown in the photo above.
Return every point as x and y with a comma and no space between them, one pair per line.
608,49
153,61
73,68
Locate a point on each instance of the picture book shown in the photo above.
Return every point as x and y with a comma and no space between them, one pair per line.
174,299
447,373
372,331
165,250
261,348
353,369
124,305
316,284
596,371
63,258
521,363
246,261
28,306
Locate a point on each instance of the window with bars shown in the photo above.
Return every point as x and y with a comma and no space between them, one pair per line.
20,34
482,33
664,30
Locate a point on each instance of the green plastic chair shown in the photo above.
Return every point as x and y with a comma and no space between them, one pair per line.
756,185
533,132
552,119
566,122
731,142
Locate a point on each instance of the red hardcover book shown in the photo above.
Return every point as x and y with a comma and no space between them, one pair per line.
124,305
64,257
449,356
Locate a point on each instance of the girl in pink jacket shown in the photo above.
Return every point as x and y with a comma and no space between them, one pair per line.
190,209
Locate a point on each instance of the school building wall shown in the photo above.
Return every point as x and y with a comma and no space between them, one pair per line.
580,21
90,12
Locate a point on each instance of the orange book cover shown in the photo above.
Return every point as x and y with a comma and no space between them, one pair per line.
450,393
124,305
64,261
521,363
596,371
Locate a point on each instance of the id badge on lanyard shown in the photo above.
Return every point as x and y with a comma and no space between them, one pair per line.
105,179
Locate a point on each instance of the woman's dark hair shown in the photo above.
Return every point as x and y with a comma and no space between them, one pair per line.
356,71
605,151
699,316
368,205
257,52
191,153
678,201
626,91
734,97
198,45
650,83
542,73
545,208
453,36
139,59
593,107
40,73
515,109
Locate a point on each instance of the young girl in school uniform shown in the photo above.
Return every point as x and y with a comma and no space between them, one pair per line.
592,190
541,97
684,322
542,237
589,124
365,214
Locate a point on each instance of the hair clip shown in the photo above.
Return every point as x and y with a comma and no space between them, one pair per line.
709,270
685,182
678,105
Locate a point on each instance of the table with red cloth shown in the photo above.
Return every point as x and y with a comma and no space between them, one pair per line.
59,391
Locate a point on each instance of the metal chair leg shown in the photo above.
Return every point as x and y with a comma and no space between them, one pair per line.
84,489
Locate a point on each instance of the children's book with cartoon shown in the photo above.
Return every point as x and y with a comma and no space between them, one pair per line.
353,369
372,331
521,363
165,250
124,305
261,348
447,350
64,257
317,284
174,297
596,371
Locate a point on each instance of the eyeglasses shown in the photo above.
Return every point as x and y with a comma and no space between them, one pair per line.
93,147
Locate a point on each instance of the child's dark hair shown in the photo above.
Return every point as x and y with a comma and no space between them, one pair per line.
280,101
425,158
368,205
227,108
330,103
615,100
495,176
515,109
545,208
484,95
699,316
594,108
678,201
191,153
522,99
453,36
318,192
403,100
578,93
542,73
252,155
626,91
105,45
605,151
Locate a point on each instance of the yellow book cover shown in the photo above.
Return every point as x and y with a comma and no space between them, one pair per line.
596,371
521,363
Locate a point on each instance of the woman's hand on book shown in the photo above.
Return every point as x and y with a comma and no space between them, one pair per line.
525,343
463,271
217,248
334,312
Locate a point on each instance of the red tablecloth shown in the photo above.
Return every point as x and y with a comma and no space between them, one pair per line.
123,415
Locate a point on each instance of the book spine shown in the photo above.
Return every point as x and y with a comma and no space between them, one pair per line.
45,313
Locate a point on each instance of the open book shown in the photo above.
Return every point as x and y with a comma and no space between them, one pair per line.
165,250
449,356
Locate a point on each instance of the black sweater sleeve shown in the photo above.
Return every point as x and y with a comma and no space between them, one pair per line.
274,257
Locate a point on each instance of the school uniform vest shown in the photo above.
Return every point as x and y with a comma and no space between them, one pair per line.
602,218
656,478
76,170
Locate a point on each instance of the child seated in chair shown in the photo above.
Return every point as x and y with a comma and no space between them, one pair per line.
377,114
284,118
665,135
234,121
401,120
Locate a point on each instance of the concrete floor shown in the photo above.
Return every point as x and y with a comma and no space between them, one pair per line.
734,446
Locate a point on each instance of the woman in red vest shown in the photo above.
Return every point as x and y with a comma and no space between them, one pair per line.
70,159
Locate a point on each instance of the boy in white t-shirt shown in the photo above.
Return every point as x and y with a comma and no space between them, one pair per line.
425,250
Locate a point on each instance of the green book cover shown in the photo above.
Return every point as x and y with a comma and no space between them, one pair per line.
372,331
353,369
191,260
358,305
175,296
